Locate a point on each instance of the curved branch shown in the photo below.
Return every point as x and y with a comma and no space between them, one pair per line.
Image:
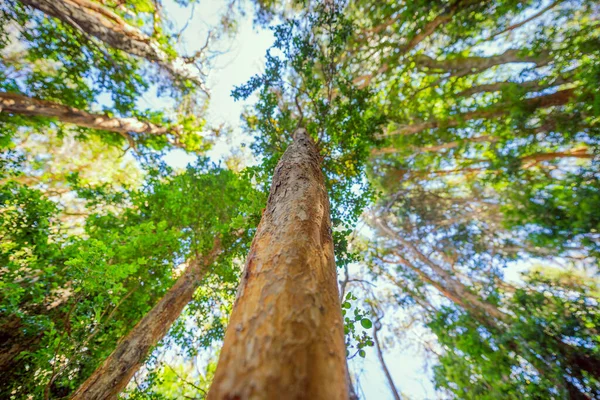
95,20
14,103
519,24
473,64
443,146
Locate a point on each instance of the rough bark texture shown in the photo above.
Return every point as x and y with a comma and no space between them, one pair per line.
112,376
23,105
93,19
285,338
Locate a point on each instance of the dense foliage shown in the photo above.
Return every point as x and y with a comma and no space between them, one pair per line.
462,133
67,299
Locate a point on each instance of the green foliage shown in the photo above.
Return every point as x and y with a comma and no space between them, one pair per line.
356,339
68,299
542,351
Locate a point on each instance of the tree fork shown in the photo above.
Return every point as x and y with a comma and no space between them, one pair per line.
285,338
114,373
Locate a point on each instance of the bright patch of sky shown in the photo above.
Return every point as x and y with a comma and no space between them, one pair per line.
243,56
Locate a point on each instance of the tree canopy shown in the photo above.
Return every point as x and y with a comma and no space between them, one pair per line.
458,145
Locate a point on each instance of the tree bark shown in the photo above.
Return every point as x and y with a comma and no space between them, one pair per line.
285,338
112,376
93,19
14,103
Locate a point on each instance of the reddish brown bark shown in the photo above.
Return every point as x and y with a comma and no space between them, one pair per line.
285,338
14,103
112,376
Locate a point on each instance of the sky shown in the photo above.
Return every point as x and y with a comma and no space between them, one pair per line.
244,57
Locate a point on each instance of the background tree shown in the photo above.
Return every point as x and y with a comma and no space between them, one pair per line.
472,124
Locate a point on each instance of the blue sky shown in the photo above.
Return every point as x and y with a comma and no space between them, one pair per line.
244,58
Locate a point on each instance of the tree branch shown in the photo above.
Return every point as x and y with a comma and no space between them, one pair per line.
95,20
559,98
14,103
474,64
519,24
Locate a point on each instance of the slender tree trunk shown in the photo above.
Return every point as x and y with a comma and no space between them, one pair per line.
386,371
94,20
14,103
112,376
285,338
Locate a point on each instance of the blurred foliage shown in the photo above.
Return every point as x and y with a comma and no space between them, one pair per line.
554,319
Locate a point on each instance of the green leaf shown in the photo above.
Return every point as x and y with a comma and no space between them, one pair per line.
366,323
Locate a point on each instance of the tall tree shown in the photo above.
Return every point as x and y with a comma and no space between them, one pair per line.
286,333
222,218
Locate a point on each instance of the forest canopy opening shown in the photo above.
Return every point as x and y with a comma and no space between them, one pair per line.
252,199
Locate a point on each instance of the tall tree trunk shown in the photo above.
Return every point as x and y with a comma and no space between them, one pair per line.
285,338
14,103
112,376
94,20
